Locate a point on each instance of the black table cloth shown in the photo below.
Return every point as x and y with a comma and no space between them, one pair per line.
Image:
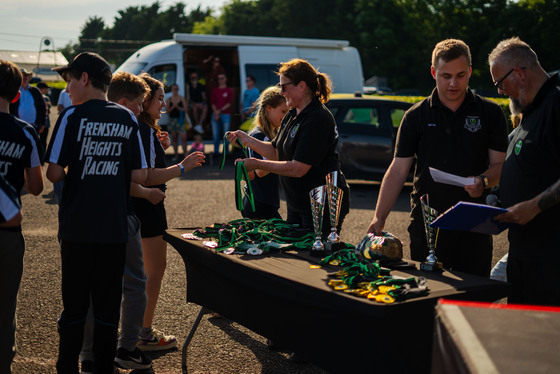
280,297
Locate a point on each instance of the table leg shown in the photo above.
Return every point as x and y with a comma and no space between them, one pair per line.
202,312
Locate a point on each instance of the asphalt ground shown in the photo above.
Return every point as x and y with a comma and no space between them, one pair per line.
199,198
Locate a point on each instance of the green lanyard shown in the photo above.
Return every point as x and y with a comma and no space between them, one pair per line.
244,232
223,159
240,175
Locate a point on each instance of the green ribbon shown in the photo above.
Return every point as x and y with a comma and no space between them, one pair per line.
240,175
357,270
272,234
223,159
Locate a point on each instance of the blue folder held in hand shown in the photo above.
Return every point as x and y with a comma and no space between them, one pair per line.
473,217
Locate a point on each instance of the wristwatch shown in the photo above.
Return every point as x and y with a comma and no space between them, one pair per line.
484,180
181,167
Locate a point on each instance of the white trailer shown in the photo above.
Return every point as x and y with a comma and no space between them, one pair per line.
171,61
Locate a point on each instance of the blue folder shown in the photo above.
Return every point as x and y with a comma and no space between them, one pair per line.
473,217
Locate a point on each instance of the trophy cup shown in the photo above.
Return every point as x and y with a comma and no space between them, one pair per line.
334,195
429,215
317,196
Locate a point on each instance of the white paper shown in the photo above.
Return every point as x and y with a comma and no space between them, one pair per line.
447,178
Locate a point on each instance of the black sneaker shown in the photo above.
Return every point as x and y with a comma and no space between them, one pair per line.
132,360
87,367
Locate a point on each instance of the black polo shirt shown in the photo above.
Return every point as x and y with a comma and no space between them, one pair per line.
311,138
532,165
454,142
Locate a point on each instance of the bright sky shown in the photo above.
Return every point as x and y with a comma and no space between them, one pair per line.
24,23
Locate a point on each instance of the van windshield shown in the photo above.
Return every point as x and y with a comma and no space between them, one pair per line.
133,67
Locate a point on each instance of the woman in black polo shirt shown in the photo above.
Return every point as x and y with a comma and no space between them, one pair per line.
304,151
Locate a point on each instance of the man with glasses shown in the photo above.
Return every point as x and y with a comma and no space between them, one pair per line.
530,180
456,131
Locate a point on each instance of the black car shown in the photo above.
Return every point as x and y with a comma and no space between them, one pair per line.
367,129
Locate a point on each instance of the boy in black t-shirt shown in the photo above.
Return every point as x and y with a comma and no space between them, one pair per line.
129,91
20,168
98,142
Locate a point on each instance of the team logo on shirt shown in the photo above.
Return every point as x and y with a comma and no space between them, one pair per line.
93,151
294,131
472,123
11,150
517,148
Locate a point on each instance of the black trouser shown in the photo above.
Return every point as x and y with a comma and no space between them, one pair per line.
90,270
457,250
533,282
12,249
262,211
305,218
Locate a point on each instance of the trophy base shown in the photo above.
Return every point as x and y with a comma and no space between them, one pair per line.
436,267
318,252
333,247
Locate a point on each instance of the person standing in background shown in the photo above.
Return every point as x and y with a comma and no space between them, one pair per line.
250,96
179,120
197,99
212,69
42,86
63,101
31,106
221,101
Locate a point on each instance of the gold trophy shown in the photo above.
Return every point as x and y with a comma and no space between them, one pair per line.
334,195
429,215
317,196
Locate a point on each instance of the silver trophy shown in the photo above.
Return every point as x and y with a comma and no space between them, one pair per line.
334,194
317,196
429,215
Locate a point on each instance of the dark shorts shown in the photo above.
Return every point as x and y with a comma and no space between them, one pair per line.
153,220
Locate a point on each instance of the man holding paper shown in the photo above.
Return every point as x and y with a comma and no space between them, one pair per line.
459,133
530,180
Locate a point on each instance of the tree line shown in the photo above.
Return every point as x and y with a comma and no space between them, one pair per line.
395,38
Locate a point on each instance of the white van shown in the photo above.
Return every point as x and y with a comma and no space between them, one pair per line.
172,61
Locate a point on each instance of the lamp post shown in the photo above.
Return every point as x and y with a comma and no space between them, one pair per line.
46,42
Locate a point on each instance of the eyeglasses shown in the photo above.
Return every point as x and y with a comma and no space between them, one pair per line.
498,84
283,86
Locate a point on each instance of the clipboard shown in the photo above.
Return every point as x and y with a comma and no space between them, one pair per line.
473,217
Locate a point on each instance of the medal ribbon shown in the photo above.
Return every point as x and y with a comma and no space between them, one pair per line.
245,231
240,175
